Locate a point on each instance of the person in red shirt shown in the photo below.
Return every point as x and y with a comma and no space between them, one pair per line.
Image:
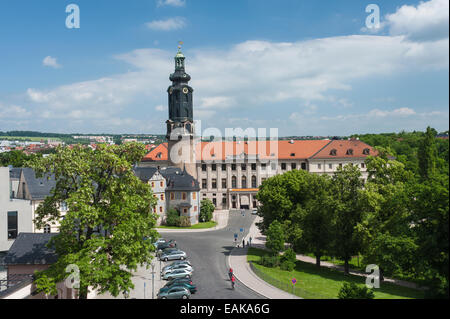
233,281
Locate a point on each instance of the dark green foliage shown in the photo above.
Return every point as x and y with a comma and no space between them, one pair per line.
287,265
173,218
206,210
288,255
15,158
353,291
275,237
270,261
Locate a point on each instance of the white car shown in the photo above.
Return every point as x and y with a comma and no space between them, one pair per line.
177,273
186,267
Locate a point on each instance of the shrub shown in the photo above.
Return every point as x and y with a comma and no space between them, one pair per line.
289,255
173,218
287,265
270,261
185,221
353,291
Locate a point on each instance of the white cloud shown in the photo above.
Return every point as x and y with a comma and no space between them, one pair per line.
160,108
13,112
167,25
428,21
51,62
173,3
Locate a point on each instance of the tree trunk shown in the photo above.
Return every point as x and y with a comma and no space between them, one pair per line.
346,268
318,260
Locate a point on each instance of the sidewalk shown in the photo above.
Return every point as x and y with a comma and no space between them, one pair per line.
220,217
241,268
142,280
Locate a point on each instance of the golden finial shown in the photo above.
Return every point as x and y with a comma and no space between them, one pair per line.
180,43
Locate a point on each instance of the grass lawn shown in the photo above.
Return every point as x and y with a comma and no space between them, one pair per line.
326,282
209,224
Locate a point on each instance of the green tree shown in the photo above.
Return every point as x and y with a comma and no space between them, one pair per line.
427,154
206,210
275,237
346,189
15,158
109,215
173,218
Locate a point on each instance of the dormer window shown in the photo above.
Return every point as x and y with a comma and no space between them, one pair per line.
366,151
333,152
292,154
159,155
350,152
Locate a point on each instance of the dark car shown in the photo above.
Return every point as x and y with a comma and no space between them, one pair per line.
165,245
192,288
179,280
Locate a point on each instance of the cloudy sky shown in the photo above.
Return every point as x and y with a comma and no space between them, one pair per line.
304,67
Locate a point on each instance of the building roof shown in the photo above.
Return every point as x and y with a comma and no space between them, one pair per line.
145,173
31,249
344,149
178,180
14,173
281,150
38,188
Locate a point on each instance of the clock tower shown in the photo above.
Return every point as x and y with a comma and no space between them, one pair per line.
180,125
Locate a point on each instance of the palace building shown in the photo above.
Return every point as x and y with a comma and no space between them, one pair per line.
229,172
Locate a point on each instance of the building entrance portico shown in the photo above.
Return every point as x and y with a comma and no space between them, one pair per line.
243,198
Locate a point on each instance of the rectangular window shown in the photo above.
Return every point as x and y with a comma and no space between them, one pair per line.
162,196
253,167
303,166
233,182
12,225
224,167
160,209
244,167
153,184
183,196
233,167
224,201
172,196
293,166
161,184
194,195
204,167
195,208
283,166
214,183
319,166
363,165
340,165
204,183
263,167
214,200
224,183
273,166
214,167
234,205
63,206
185,210
330,166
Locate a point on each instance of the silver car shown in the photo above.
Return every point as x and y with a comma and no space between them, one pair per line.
176,263
173,255
177,273
169,270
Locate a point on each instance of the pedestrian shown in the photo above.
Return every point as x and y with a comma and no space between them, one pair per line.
243,243
233,280
250,240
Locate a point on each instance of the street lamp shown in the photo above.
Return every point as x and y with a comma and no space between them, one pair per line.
153,280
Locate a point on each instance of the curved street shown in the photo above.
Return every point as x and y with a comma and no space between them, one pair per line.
208,252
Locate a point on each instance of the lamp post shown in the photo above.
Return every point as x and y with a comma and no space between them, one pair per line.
153,280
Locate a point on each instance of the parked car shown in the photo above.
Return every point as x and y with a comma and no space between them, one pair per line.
166,251
165,245
187,267
179,280
255,212
192,288
173,255
175,293
159,241
177,262
178,273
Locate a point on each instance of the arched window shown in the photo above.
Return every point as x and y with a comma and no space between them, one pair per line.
244,182
254,182
233,182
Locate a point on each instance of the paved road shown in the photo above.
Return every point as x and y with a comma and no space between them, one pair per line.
208,252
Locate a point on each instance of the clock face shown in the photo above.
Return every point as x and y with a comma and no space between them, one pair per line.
185,90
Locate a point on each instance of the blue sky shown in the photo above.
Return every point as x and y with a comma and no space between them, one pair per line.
304,67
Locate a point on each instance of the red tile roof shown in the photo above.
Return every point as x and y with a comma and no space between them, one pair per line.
345,149
282,150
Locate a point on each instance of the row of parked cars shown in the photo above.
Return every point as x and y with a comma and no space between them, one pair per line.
178,274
